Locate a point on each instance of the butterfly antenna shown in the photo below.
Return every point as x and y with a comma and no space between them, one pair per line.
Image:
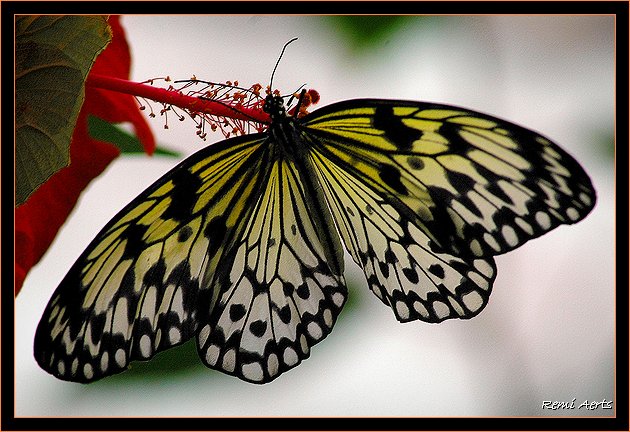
278,62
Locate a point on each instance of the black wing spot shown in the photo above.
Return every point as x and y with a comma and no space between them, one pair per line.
384,268
391,177
288,289
215,231
415,162
258,328
395,131
285,314
461,181
303,292
411,275
183,195
135,244
184,234
237,311
437,270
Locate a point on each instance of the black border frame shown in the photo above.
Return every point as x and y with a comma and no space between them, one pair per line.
619,422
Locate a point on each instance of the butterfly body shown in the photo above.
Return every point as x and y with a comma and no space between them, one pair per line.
241,245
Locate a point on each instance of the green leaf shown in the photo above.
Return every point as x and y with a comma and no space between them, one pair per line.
365,31
126,142
167,366
53,55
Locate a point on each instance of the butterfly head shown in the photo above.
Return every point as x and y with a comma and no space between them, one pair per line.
274,106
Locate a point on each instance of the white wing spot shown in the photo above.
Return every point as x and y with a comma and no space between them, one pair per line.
491,241
457,306
87,371
273,365
105,361
158,338
525,226
145,346
314,330
402,310
303,344
483,267
543,220
585,198
328,318
120,357
338,299
174,335
178,304
203,334
61,367
229,360
253,371
573,214
290,357
475,247
478,280
120,323
149,304
509,235
473,301
212,355
441,309
419,307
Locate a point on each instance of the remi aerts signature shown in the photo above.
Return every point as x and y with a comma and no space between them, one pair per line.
570,405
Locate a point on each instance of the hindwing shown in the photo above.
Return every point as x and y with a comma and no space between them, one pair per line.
283,289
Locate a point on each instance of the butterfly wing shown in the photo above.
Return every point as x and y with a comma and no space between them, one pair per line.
479,185
285,285
424,195
403,266
232,245
143,284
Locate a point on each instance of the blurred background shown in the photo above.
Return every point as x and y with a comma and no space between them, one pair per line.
547,333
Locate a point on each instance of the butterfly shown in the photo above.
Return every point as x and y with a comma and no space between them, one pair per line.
241,245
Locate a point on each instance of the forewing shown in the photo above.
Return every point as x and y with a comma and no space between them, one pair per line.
283,288
474,184
142,286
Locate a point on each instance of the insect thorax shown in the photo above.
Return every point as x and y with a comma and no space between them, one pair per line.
285,137
274,106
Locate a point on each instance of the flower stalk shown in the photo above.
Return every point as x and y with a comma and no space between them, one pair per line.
193,105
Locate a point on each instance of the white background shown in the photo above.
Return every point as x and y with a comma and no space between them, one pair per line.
548,330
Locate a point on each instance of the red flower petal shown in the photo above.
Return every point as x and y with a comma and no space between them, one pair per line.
115,107
57,197
38,220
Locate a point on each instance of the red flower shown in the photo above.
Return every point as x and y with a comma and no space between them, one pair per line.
38,220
